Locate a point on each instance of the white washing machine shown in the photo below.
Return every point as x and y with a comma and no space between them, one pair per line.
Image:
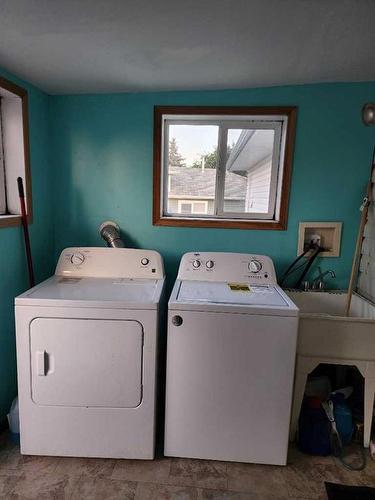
86,355
231,349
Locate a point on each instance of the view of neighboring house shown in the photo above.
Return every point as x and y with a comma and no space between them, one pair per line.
192,191
247,179
252,156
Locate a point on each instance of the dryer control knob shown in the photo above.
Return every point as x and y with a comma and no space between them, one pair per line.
77,259
196,264
255,266
210,264
145,261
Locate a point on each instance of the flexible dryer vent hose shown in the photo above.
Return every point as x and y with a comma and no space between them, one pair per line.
110,232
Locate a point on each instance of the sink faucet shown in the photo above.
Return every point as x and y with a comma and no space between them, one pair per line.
318,282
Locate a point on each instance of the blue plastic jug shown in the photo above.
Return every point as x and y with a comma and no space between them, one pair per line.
343,417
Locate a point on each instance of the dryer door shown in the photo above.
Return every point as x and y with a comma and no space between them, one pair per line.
86,362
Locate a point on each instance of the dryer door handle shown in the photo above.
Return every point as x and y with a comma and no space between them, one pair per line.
41,363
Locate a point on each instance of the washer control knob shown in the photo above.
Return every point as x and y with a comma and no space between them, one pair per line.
210,264
255,266
145,261
196,264
77,259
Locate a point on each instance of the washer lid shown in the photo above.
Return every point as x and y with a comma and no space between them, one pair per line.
218,296
121,293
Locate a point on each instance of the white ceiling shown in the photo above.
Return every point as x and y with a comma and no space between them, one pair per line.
85,46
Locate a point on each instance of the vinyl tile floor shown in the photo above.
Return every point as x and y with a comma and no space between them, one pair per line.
54,478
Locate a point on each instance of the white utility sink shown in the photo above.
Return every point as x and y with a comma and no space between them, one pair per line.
326,335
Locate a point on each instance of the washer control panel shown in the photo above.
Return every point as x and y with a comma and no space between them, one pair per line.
231,267
110,263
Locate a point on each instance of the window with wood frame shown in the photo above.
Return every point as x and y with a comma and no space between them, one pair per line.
14,152
223,166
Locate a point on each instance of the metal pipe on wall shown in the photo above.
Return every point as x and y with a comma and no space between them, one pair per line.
110,232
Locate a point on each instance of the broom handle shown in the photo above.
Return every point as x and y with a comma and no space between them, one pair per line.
358,246
26,232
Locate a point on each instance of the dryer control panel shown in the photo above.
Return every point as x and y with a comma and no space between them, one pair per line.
93,262
230,267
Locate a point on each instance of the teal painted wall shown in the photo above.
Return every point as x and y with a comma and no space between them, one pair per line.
91,159
13,267
102,163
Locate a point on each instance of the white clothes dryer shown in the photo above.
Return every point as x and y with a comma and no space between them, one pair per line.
87,354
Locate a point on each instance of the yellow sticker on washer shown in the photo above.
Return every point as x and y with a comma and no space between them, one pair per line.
239,287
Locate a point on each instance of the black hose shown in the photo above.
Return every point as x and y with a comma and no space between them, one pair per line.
288,271
350,465
308,265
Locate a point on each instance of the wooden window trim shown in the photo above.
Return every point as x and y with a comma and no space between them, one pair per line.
16,220
281,224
